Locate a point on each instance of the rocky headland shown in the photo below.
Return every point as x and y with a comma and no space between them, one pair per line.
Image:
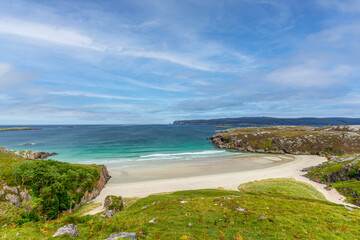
326,141
27,154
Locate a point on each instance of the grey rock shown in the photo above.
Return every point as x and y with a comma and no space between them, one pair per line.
70,230
107,213
12,189
261,217
124,235
13,199
25,196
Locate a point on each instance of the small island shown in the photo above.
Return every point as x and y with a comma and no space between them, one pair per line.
17,129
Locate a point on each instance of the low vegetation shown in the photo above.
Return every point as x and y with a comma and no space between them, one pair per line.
328,141
258,211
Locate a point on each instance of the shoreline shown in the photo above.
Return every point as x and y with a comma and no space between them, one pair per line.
164,170
232,180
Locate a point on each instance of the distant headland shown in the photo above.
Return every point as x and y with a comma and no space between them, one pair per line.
272,121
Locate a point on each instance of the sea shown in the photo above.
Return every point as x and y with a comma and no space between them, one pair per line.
102,144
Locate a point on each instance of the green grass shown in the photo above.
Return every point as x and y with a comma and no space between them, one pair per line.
213,214
16,129
283,187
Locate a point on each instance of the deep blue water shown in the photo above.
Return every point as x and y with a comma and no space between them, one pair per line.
116,143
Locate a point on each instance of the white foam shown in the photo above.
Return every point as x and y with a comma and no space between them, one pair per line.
183,154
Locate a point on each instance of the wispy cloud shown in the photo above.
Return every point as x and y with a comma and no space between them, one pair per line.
129,47
48,33
164,87
347,6
93,95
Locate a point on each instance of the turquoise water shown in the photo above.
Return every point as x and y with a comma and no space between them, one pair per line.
117,143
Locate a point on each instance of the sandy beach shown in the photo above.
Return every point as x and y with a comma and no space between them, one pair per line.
288,169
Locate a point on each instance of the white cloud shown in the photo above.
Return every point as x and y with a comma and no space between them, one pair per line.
92,95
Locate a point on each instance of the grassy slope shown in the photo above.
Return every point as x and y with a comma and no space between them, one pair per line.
309,140
16,128
284,187
213,215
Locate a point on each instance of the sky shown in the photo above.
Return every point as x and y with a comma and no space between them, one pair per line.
156,61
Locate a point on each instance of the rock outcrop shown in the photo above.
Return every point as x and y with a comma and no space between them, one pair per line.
112,205
28,154
15,196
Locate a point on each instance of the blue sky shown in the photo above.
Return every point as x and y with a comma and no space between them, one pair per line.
156,61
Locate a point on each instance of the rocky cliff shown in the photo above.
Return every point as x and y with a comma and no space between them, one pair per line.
327,141
90,195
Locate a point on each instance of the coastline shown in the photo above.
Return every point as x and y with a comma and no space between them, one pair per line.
230,180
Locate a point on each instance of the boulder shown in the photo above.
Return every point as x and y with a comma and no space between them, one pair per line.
70,230
123,235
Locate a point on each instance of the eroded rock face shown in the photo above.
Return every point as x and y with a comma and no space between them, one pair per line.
124,235
70,230
90,195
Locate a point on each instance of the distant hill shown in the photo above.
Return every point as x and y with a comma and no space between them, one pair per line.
272,121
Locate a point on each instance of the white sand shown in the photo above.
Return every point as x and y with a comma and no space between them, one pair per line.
227,181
